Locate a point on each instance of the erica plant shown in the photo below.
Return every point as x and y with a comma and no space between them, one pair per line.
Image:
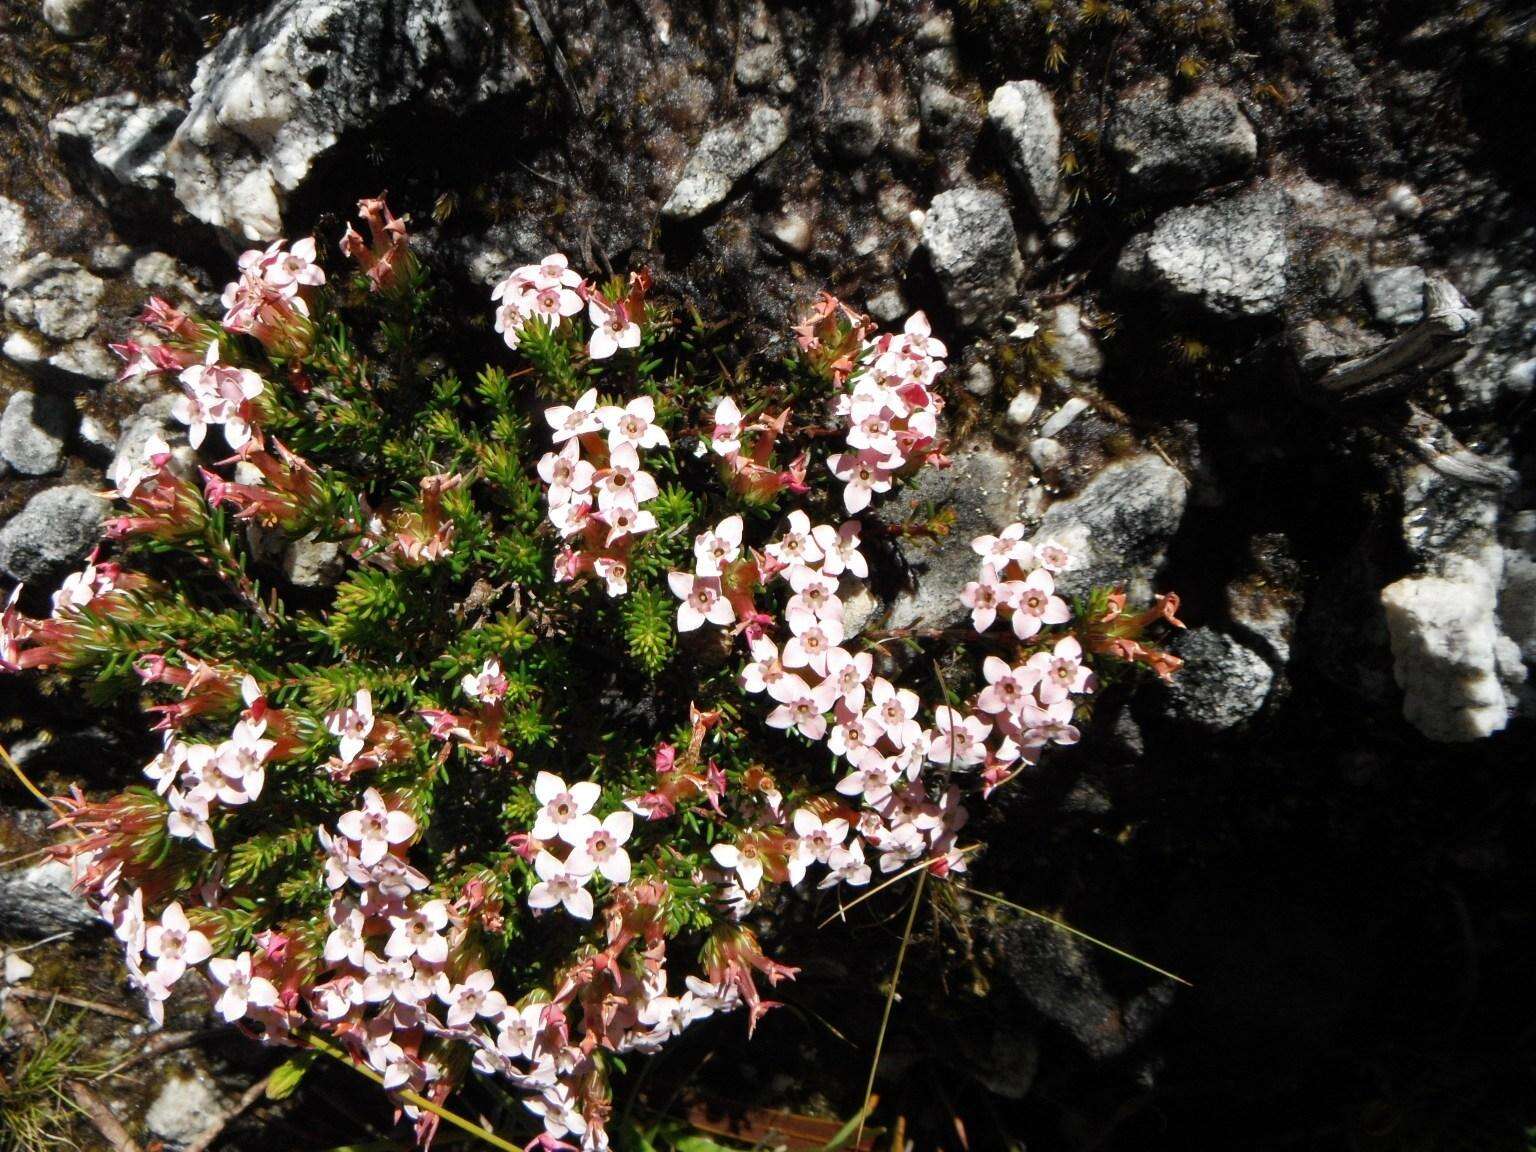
586,690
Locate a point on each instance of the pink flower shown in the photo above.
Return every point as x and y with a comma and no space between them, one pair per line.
175,944
701,601
612,329
1006,688
1052,557
811,642
713,550
745,858
487,685
562,808
625,521
374,827
1008,545
352,725
725,437
561,884
420,934
850,672
634,424
614,573
895,711
959,740
847,866
815,595
391,980
985,596
1060,672
840,549
622,484
188,818
566,473
1037,605
476,996
603,849
804,710
294,268
864,474
815,840
242,991
346,941
871,777
796,546
569,420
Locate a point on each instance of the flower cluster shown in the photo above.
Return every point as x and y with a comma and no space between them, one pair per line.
416,813
596,487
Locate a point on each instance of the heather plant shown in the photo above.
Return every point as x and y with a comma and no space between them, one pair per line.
588,692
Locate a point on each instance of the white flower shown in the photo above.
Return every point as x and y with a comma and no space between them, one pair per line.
520,1031
815,840
374,827
391,979
796,546
612,329
634,424
713,550
420,934
562,808
701,600
189,818
560,883
603,849
487,685
175,944
352,725
725,438
574,420
744,858
242,991
476,996
847,866
346,941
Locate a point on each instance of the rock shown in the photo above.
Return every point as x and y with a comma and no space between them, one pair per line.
974,252
1059,976
762,65
1445,656
123,137
791,232
311,563
1222,683
1320,344
862,13
854,130
1517,595
160,271
1499,360
24,350
1063,418
57,297
888,307
1073,343
1022,407
33,430
186,1107
71,19
280,91
937,31
111,258
983,488
723,156
1396,295
1045,453
85,362
153,419
17,968
55,530
942,112
15,233
1117,528
1228,258
978,379
1023,115
41,901
1166,145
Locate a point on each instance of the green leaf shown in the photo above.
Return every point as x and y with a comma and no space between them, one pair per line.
284,1080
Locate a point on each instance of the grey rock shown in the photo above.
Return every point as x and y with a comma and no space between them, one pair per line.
160,271
1396,294
762,66
723,156
1320,344
1117,528
55,530
71,19
1073,344
16,237
1023,115
937,31
1022,407
855,129
979,380
85,362
1222,683
184,1109
942,111
1445,655
1499,360
1228,258
974,251
1045,453
122,136
791,232
1517,596
55,296
888,306
41,901
311,563
280,91
862,13
983,488
1167,145
1060,977
24,350
33,431
111,258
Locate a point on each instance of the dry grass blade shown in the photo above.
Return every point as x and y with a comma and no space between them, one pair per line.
1078,932
890,1000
